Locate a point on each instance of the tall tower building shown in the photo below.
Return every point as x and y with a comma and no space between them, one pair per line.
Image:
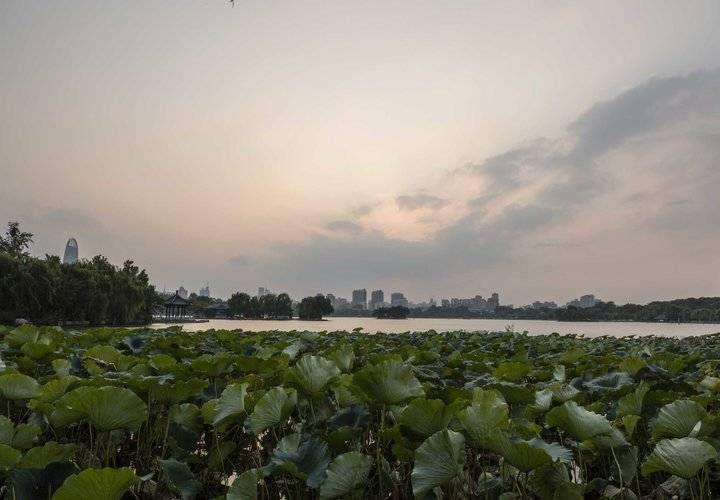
71,252
377,297
359,299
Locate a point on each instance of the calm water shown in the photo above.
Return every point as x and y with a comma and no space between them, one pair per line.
533,327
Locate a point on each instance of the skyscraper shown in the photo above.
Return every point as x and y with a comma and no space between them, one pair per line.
377,298
398,299
71,252
359,299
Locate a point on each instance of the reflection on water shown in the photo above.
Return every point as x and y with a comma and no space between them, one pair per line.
533,327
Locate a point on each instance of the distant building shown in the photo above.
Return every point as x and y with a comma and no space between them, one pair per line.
71,252
182,292
338,303
445,303
359,299
398,299
477,303
262,291
584,302
377,300
204,291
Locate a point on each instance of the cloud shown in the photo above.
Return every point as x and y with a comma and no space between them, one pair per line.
660,136
344,227
419,201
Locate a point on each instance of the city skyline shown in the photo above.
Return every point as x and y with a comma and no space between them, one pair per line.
541,150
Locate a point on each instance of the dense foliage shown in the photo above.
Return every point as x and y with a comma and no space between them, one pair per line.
144,413
268,306
48,291
394,312
314,308
703,309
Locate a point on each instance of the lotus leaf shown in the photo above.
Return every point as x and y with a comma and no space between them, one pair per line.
438,460
180,478
18,386
388,382
42,456
273,408
426,416
305,458
97,484
245,486
312,374
231,403
347,472
682,457
678,419
578,422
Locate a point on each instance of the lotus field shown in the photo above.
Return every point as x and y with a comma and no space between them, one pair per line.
117,413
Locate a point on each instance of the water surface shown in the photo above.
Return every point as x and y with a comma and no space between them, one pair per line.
533,327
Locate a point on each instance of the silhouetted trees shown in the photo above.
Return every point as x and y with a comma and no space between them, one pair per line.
269,306
315,308
395,312
45,290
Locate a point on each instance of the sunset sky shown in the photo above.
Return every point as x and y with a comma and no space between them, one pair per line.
542,150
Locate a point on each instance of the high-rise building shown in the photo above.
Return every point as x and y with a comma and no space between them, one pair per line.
71,252
262,291
377,300
584,302
359,299
398,299
204,291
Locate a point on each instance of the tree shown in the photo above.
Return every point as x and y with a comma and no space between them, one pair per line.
15,242
395,312
239,304
314,308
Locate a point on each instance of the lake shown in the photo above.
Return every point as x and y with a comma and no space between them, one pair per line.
533,327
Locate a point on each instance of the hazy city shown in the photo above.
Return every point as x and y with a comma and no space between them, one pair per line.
267,250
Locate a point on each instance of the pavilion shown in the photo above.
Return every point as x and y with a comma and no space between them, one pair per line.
175,307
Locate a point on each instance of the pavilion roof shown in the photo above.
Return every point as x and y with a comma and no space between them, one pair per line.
176,300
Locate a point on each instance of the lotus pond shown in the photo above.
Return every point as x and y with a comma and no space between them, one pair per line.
114,413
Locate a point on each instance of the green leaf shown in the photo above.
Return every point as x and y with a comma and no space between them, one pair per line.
7,430
523,455
25,436
632,403
231,403
682,457
8,456
245,486
272,409
97,484
106,408
18,386
438,460
180,478
343,356
312,374
678,419
42,456
608,383
512,371
304,458
480,419
389,382
578,422
426,416
552,482
347,473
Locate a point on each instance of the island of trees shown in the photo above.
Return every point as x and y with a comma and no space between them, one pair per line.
49,292
394,312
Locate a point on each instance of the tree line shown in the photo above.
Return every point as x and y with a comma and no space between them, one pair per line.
268,306
703,309
46,291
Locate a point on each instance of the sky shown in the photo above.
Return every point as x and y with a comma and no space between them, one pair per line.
541,150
